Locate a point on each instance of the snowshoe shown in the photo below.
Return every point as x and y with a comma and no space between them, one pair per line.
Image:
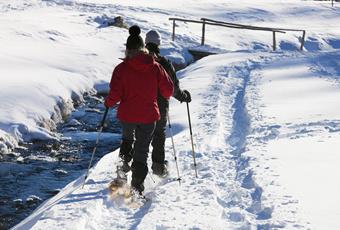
116,184
135,198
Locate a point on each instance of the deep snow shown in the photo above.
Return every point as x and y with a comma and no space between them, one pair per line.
265,124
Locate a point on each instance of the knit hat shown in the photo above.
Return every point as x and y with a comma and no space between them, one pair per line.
153,37
134,41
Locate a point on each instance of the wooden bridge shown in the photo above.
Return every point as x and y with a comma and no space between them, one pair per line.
206,21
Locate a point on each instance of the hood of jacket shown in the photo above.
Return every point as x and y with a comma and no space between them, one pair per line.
141,62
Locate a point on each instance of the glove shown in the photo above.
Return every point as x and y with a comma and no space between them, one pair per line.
185,97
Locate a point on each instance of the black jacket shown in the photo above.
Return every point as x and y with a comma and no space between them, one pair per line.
163,103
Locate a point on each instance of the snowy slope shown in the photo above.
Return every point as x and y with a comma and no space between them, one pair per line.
265,124
298,124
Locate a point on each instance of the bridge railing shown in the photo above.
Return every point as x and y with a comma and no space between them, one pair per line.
206,21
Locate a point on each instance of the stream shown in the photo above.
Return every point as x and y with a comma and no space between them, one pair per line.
38,170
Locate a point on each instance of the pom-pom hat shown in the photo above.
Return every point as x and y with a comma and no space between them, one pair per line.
134,41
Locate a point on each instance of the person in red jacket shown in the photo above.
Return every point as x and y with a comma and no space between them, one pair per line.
135,84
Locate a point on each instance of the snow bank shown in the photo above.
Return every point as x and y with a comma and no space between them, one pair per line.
45,66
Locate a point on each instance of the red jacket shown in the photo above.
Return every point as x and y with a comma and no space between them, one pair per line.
135,84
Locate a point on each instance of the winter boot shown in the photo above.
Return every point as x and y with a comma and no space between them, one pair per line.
137,188
160,169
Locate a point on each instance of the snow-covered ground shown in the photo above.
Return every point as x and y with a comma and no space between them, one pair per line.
266,125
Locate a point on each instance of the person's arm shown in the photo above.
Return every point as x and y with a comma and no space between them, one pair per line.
180,95
115,92
165,84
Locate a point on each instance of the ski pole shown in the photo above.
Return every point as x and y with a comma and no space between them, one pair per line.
153,180
192,142
173,147
95,146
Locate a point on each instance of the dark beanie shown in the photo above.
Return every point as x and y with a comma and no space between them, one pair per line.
134,41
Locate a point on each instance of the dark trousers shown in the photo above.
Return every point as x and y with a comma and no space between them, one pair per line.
141,135
158,139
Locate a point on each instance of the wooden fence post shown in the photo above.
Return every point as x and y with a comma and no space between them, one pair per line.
274,41
173,29
203,32
303,39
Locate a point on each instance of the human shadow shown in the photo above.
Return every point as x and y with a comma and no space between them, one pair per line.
139,215
74,198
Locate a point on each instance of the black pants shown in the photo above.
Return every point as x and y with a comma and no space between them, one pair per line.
158,139
142,134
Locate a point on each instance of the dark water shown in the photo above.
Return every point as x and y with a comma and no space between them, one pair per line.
36,171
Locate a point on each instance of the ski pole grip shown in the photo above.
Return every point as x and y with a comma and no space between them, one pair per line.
104,117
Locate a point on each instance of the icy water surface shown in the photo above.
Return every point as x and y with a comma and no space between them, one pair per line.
37,171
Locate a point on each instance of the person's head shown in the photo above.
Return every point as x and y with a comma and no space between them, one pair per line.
134,43
153,41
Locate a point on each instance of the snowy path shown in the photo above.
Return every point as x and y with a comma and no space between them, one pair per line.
238,136
223,195
227,129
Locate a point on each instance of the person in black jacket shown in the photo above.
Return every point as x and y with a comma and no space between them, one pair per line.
153,41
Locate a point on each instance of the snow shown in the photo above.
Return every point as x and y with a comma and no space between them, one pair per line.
318,167
49,62
265,124
298,118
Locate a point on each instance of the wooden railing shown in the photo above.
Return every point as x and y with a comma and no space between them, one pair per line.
206,21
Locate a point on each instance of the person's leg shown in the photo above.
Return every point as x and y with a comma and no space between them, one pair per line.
126,146
158,143
128,138
139,165
158,140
